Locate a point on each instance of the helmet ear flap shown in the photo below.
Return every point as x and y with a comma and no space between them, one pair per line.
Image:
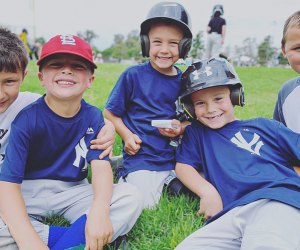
189,109
237,96
184,47
145,45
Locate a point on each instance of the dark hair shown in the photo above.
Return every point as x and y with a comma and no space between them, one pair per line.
217,14
13,55
292,21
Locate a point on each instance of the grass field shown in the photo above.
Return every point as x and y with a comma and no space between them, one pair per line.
175,217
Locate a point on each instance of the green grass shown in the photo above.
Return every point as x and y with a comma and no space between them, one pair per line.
175,218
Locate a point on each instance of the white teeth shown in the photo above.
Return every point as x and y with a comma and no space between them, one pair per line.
65,83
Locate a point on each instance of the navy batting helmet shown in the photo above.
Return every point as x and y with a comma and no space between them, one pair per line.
169,12
210,73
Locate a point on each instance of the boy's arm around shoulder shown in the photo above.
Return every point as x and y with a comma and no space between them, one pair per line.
14,214
105,139
210,200
98,227
131,141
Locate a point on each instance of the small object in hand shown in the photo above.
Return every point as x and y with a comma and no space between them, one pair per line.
163,124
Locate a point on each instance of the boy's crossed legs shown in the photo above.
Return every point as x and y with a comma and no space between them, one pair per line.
72,200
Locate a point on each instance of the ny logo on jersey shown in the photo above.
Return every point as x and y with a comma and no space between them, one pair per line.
197,73
1,159
81,151
3,133
240,141
67,39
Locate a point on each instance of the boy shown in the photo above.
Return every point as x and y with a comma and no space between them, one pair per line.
148,92
48,153
288,105
13,62
251,193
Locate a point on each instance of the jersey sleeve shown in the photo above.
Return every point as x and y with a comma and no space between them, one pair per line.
289,143
120,95
13,168
278,113
97,124
188,152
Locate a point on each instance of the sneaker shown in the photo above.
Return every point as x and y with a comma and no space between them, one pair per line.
117,165
119,243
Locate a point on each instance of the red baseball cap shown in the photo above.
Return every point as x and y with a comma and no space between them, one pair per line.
68,44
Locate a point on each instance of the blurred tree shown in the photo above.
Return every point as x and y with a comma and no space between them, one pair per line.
88,35
249,47
107,52
119,47
133,45
282,60
197,46
40,40
265,51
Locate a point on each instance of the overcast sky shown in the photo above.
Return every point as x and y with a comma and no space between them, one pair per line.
251,18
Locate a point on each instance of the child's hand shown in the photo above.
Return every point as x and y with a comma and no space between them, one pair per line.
105,140
210,203
98,229
172,132
132,144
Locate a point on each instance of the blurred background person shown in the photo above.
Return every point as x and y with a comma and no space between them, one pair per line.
216,30
32,49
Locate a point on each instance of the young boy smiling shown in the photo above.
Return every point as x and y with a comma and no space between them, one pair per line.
13,63
288,105
248,167
148,92
48,152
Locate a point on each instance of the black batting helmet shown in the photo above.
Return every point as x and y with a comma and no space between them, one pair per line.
210,73
169,12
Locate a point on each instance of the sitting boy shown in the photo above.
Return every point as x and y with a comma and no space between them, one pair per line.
250,192
48,153
288,101
147,92
13,63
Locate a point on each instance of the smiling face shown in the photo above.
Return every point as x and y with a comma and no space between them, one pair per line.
291,49
65,77
9,88
213,106
164,52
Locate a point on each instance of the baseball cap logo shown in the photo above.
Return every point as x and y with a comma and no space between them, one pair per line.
68,44
68,39
197,73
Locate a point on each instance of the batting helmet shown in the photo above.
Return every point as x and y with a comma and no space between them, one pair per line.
218,7
168,12
210,73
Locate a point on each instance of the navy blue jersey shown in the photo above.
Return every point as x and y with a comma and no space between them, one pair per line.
216,24
245,160
288,105
43,145
143,94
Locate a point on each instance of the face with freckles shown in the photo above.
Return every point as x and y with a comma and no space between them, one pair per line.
213,106
164,51
65,76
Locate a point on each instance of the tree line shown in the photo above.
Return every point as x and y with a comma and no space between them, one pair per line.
128,47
